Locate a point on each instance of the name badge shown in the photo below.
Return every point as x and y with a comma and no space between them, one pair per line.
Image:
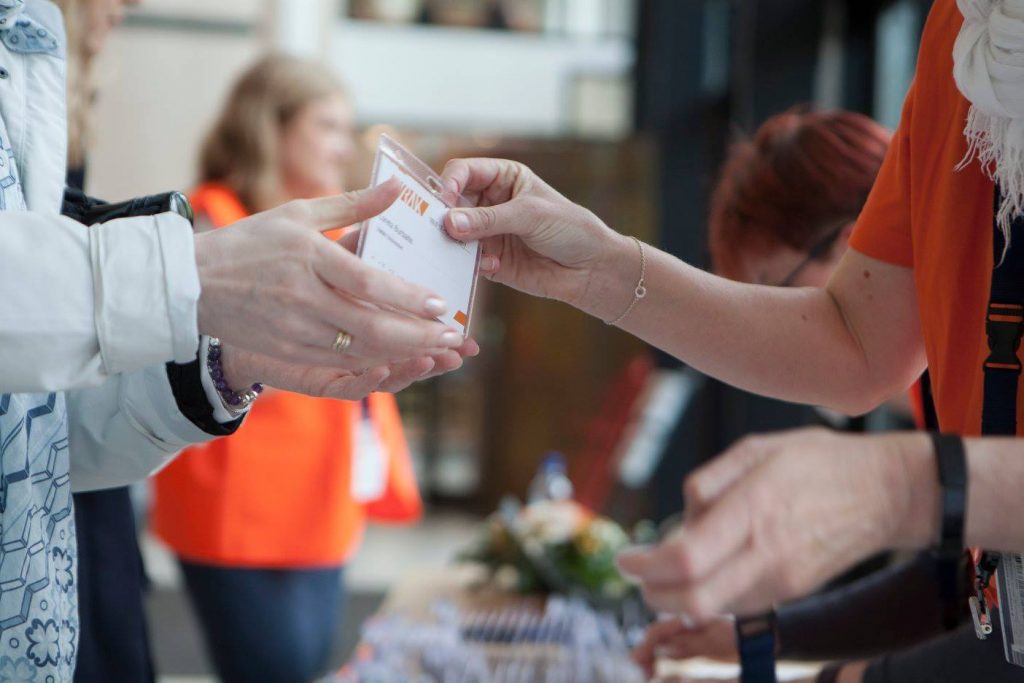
409,241
1010,580
369,463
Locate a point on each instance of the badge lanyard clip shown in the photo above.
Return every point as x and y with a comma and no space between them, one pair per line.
984,571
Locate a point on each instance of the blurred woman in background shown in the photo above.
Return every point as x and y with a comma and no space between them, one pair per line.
787,199
263,522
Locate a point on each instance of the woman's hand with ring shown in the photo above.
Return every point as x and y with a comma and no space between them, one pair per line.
245,368
274,285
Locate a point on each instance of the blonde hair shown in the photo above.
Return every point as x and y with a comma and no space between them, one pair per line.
81,91
241,150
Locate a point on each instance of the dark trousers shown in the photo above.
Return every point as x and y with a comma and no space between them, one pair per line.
266,625
112,643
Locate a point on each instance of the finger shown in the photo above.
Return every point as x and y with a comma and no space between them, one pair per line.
445,363
515,217
378,333
347,273
664,630
693,551
713,596
319,357
329,213
489,265
656,637
377,337
404,374
357,387
496,177
469,349
711,481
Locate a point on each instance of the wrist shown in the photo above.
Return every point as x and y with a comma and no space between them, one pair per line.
201,255
238,370
612,281
914,487
852,672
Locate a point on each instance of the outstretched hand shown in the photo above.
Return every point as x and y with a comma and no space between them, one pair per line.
775,517
533,238
272,284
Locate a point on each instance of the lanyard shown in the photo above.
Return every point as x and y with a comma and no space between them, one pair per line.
1004,324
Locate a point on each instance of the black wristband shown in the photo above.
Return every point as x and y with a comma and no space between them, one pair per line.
755,640
952,464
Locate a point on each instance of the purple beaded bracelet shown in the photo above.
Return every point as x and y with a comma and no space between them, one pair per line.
234,400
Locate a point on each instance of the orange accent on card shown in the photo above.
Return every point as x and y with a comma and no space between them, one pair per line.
415,202
461,318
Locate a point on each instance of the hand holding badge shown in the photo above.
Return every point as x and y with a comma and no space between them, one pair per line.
409,239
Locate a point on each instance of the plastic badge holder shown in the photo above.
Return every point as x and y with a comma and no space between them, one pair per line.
409,241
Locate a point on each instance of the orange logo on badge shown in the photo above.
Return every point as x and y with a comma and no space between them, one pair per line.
413,200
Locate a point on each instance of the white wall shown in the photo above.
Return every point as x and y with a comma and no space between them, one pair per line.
165,74
160,92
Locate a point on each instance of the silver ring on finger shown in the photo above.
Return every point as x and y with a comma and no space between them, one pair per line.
342,342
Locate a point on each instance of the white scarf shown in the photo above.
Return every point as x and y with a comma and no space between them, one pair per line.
988,65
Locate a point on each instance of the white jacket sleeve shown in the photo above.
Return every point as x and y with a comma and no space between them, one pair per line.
79,305
129,428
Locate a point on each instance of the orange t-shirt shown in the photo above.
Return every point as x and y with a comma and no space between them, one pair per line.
926,215
278,492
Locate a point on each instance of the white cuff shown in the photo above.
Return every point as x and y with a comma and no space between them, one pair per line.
146,289
220,411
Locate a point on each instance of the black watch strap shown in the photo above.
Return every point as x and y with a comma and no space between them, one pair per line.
755,639
952,463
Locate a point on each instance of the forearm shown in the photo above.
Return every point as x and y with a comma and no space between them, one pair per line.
125,429
135,423
793,344
893,608
95,302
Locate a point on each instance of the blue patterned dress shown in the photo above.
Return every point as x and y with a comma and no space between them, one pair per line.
38,610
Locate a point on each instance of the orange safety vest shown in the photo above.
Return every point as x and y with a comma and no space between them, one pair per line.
278,492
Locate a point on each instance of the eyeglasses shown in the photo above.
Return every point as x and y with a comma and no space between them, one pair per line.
818,252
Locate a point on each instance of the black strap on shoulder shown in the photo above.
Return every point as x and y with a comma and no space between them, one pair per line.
1004,325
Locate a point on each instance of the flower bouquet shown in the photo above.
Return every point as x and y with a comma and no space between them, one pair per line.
554,547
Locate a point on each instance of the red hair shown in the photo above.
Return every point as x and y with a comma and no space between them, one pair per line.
802,176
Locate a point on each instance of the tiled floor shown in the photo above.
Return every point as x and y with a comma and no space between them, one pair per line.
386,555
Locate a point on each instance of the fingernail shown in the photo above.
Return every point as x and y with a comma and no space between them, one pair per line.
451,338
460,221
435,306
489,263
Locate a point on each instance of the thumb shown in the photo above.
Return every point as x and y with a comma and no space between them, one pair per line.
515,217
329,213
